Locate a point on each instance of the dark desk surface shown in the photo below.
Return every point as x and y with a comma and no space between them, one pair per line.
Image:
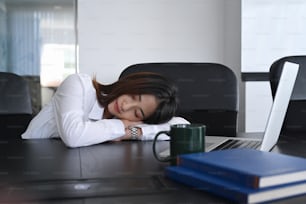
45,171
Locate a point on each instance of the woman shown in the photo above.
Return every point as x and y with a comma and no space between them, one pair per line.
84,112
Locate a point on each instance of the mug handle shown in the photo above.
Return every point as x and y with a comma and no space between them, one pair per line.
165,159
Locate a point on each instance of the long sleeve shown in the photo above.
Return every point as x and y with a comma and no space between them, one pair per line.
71,105
149,131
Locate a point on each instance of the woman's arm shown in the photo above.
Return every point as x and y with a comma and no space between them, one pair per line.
72,104
149,131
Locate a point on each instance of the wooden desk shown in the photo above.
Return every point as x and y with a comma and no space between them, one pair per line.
45,171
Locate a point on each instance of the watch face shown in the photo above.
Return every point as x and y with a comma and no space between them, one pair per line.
134,133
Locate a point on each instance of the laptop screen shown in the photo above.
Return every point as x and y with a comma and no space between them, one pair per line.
280,105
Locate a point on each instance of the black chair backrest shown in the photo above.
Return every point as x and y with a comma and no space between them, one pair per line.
295,120
15,105
208,93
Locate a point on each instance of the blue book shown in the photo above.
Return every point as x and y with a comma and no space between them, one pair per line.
231,190
248,167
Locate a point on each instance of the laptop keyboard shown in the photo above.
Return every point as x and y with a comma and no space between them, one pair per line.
232,144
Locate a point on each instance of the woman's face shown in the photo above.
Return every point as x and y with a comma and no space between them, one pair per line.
133,107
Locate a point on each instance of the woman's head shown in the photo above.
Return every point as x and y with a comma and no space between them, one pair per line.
149,88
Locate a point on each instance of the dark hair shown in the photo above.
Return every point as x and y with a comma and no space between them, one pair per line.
142,83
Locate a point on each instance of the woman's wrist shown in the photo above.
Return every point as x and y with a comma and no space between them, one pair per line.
135,133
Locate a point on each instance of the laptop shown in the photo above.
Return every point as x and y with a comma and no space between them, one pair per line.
274,122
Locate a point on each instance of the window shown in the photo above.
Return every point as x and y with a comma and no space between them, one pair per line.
38,38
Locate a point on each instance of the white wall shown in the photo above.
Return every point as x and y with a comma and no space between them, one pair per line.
114,34
270,30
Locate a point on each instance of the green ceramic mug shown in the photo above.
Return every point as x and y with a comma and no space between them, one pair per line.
184,139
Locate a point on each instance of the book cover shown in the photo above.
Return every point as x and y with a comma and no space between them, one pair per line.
248,167
231,190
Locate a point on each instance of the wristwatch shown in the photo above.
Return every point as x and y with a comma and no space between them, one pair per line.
134,132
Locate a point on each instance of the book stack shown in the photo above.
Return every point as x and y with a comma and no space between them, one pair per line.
242,175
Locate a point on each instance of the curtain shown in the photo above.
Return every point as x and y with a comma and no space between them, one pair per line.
3,37
33,32
23,41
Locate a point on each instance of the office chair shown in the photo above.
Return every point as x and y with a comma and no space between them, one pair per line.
15,105
295,120
207,92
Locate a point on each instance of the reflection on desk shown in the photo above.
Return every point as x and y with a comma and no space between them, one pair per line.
46,171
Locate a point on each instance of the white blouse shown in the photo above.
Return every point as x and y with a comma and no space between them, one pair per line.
74,115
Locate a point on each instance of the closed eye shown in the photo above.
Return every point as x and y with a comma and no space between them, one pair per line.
138,114
141,111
